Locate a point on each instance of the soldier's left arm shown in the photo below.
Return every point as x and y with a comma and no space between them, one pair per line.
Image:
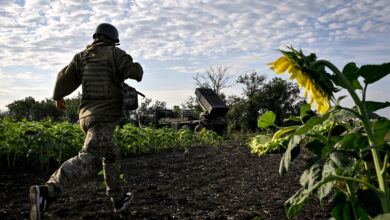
127,68
68,79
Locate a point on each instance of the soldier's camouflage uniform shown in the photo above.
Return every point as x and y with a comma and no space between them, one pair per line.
100,69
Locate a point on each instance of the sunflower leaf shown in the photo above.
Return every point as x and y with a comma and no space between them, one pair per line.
311,123
304,110
381,128
372,106
373,73
266,120
351,72
291,153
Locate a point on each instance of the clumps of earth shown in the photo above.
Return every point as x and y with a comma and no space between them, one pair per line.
207,182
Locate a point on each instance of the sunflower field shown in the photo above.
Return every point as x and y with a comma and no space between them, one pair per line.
47,144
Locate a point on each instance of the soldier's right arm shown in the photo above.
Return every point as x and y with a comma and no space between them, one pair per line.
127,68
68,79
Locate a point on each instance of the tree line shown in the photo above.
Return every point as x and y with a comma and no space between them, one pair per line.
258,96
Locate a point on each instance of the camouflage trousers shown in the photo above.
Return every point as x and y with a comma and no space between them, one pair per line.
98,147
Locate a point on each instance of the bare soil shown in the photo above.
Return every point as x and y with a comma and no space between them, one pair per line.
225,182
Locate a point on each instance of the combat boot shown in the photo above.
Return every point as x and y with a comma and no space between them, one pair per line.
124,203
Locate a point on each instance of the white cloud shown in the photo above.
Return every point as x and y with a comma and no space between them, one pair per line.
164,30
29,76
242,34
5,80
171,97
368,25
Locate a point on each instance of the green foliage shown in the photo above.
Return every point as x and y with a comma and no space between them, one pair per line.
38,142
277,95
33,110
71,112
281,97
372,106
31,143
373,73
133,139
350,71
350,152
266,120
20,109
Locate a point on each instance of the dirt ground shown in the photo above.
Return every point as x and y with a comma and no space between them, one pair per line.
226,182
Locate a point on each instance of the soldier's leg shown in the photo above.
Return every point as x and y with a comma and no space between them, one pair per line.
78,167
111,167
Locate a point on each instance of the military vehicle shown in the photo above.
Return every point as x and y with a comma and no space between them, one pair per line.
211,117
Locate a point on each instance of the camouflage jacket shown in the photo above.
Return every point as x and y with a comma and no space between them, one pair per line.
70,78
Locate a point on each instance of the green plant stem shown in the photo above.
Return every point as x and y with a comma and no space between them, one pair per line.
352,197
365,165
384,196
282,131
346,178
320,136
385,162
364,93
341,190
330,131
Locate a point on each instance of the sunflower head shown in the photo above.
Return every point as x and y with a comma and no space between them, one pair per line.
314,78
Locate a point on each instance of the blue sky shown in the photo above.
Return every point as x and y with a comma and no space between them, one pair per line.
174,40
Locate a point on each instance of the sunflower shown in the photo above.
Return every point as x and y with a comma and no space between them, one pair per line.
314,81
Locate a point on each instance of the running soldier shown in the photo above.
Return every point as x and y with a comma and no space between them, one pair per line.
101,69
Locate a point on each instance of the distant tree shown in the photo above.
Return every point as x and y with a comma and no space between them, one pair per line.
191,103
277,95
158,106
4,114
144,106
215,78
280,96
145,110
33,110
71,113
252,83
134,115
45,109
252,86
20,109
237,114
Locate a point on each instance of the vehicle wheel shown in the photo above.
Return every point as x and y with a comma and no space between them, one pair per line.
199,128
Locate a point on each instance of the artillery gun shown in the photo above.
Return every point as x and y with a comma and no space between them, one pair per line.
211,117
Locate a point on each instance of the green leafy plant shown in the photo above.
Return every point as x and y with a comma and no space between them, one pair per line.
47,144
26,143
351,154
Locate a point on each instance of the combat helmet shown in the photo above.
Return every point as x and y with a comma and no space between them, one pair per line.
108,30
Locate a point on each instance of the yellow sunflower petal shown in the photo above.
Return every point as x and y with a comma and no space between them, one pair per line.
289,69
319,109
282,67
294,72
278,61
301,78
